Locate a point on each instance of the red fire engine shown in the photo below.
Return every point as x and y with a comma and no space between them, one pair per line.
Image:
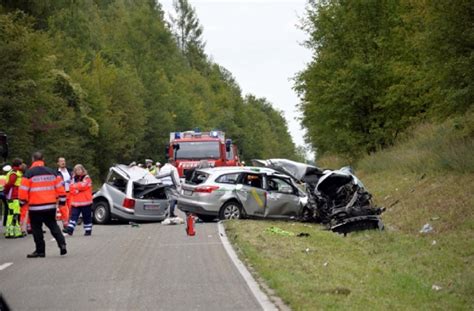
190,147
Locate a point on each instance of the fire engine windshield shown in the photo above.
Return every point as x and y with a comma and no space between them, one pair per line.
198,150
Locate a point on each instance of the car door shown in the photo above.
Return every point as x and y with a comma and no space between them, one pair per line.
251,193
117,188
282,198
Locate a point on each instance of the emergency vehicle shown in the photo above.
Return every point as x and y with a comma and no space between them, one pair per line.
190,147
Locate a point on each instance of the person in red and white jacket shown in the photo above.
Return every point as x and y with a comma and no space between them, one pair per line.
80,196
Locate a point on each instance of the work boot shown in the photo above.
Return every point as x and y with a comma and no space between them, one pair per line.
63,250
88,233
35,255
65,230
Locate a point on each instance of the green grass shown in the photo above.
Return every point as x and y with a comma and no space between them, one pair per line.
427,178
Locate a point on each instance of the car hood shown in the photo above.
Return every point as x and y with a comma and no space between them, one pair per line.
291,168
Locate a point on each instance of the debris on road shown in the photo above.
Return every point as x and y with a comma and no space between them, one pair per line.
134,224
436,288
173,221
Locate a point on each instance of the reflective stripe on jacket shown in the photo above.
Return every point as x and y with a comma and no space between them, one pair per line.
13,183
80,191
41,188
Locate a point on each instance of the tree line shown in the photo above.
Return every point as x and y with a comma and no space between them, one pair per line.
381,66
105,81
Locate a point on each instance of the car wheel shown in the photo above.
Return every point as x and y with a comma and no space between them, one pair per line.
101,212
206,218
231,210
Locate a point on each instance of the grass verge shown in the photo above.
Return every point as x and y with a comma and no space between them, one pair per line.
396,269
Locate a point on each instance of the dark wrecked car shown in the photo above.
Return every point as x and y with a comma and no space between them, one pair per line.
336,198
131,193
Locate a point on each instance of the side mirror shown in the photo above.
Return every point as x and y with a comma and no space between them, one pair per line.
176,147
228,144
167,152
239,187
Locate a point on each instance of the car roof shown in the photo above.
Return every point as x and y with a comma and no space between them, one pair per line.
136,173
240,169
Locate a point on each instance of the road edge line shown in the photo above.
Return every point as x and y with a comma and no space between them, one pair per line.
261,297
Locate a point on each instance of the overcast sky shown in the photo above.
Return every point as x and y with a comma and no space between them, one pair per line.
259,43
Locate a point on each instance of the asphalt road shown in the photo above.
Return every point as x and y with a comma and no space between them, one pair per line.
120,267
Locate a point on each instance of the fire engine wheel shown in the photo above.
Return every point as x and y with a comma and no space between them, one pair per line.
231,210
101,212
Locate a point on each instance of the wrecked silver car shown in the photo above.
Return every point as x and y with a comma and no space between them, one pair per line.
239,192
130,193
336,198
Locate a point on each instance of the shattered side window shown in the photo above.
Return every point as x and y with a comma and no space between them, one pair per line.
117,181
198,177
279,185
228,179
253,180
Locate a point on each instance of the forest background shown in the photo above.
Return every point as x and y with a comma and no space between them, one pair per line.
103,82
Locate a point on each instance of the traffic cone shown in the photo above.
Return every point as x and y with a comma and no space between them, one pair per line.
190,225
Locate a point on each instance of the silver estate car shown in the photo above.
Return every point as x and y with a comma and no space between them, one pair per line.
237,192
131,193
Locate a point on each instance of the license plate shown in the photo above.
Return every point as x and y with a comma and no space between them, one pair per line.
188,192
151,206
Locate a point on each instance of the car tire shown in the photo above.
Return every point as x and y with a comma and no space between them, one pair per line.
206,218
231,210
101,213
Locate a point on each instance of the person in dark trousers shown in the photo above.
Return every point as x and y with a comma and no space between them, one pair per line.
80,196
42,190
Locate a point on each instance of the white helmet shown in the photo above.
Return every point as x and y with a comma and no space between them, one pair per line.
7,168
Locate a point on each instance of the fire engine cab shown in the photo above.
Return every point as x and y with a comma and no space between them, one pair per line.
190,147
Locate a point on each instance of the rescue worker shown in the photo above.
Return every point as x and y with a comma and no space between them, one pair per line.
24,220
13,229
66,175
171,179
150,167
3,198
81,200
42,190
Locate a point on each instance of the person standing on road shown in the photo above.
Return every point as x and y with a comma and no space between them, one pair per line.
3,198
11,188
42,190
66,174
80,193
171,179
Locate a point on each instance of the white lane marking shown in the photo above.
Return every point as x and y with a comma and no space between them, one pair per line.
261,297
5,265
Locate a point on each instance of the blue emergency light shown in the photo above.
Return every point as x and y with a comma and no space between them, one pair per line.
177,135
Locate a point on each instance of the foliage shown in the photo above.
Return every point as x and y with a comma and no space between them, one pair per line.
381,66
103,82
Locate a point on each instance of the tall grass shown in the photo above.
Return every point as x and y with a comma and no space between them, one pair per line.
434,148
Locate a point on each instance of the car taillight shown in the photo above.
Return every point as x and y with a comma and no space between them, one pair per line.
128,203
206,189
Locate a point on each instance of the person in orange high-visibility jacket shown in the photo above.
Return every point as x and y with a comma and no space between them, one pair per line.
80,196
42,190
